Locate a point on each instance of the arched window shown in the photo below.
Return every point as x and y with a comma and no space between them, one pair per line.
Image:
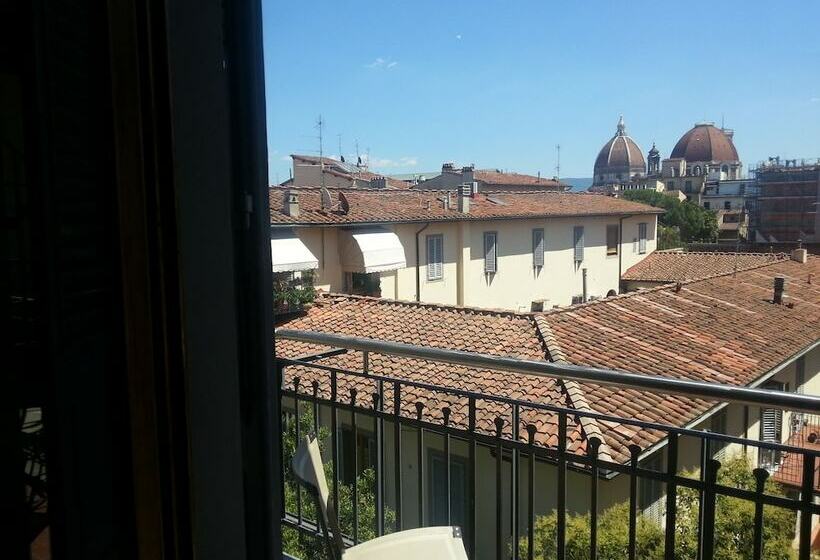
611,293
725,170
696,171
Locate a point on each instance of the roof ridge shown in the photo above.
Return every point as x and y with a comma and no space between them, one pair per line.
575,394
664,286
428,305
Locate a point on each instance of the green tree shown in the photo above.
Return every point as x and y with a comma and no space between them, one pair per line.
669,237
307,547
291,293
734,526
694,223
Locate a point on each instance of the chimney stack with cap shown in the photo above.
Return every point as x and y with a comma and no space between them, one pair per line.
378,183
779,288
464,193
468,173
799,255
291,204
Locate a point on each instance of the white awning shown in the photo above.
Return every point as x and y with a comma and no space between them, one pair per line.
371,250
288,253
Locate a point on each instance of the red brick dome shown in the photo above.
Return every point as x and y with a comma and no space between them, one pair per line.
705,142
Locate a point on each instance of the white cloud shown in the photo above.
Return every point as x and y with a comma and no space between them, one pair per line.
381,62
458,36
406,161
815,100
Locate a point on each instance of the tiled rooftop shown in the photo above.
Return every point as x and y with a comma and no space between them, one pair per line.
494,177
680,266
382,206
790,471
350,171
721,329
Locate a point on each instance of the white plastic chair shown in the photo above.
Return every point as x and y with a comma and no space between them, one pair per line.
428,543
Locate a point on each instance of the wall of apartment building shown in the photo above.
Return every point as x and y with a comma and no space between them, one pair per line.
516,284
306,175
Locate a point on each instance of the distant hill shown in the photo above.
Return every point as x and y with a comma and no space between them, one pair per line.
578,183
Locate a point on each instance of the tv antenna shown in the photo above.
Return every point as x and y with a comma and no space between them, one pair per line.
557,161
341,157
320,125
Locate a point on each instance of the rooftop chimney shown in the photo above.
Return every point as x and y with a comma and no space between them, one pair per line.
779,287
468,173
799,255
464,193
291,204
378,182
448,166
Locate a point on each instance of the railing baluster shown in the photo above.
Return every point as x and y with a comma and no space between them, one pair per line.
334,439
419,407
397,450
446,414
634,452
806,497
379,429
499,521
531,491
279,383
353,392
671,496
516,433
760,484
315,409
704,456
594,445
296,381
472,502
561,529
709,497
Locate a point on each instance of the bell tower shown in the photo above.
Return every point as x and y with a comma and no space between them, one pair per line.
653,166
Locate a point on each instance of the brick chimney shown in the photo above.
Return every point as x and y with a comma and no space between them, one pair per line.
291,204
464,193
378,182
779,288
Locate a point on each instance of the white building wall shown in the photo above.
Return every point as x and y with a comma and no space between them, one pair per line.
517,283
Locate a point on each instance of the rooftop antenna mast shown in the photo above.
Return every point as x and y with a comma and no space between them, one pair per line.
558,161
341,157
320,125
358,156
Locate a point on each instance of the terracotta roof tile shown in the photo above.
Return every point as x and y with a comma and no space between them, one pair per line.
384,206
721,329
679,266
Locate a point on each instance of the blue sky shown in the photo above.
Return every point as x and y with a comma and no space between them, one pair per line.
499,84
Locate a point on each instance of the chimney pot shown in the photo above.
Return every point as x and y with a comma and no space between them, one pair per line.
291,204
779,288
464,193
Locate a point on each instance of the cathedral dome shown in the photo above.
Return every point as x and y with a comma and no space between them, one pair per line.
619,159
705,142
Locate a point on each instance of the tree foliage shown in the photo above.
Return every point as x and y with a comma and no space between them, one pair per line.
307,547
694,223
734,526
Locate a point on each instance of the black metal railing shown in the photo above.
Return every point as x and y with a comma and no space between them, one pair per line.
511,470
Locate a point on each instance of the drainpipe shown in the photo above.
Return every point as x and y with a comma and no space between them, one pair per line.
418,263
584,274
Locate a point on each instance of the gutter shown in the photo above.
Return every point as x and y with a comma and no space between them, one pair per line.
418,262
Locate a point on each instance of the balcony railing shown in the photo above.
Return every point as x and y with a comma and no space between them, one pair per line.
445,456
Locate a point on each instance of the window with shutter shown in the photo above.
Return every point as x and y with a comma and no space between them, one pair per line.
800,374
578,243
771,429
642,238
435,257
718,426
490,252
612,239
537,247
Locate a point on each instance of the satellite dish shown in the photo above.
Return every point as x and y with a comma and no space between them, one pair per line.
343,203
326,201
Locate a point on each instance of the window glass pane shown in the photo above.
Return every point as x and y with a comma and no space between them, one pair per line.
612,240
642,238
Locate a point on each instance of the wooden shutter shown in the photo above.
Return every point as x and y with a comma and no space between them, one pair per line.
642,238
771,424
578,242
538,247
490,254
435,257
